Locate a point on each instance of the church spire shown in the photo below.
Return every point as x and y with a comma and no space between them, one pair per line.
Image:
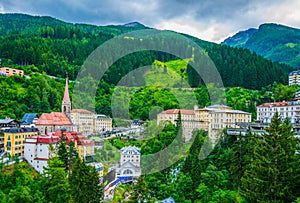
66,94
66,102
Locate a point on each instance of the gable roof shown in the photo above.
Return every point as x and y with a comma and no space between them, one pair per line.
6,121
54,118
128,164
28,118
130,150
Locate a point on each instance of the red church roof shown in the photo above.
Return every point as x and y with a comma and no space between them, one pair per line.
54,118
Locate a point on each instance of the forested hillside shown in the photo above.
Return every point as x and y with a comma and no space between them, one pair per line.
45,45
57,47
276,42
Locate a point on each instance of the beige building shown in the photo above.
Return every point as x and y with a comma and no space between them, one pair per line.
102,123
212,119
11,71
84,119
88,122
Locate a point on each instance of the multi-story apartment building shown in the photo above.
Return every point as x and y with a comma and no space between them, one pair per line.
102,123
212,119
37,150
266,111
294,78
11,71
14,139
84,119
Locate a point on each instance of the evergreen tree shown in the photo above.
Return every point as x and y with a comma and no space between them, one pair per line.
274,174
85,183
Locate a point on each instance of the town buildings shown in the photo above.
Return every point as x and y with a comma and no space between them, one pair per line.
213,119
14,139
294,78
10,71
39,148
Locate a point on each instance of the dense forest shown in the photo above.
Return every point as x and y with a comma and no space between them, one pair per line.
238,169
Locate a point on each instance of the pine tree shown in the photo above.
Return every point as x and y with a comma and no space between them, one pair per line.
273,175
85,183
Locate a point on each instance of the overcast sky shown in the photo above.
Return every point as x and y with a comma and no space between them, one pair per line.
212,20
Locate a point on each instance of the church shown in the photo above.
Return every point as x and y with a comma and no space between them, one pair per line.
51,122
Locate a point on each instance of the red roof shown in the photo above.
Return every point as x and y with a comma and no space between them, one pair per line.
66,94
40,159
275,104
54,118
46,139
176,111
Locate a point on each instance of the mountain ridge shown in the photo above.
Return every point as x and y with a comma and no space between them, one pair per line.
279,43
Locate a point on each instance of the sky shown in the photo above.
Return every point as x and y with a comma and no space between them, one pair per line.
211,20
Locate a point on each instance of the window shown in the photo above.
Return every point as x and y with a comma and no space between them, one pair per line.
127,171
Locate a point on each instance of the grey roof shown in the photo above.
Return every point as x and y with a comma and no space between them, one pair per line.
6,121
28,118
127,150
20,130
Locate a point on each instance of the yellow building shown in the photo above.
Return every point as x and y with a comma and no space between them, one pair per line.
14,139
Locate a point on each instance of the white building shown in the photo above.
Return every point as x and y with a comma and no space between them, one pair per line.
37,150
130,163
294,78
266,111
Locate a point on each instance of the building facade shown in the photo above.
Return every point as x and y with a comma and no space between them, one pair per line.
294,78
37,150
14,139
11,71
102,123
291,110
130,163
84,119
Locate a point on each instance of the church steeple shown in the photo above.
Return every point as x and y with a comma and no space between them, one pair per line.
66,102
